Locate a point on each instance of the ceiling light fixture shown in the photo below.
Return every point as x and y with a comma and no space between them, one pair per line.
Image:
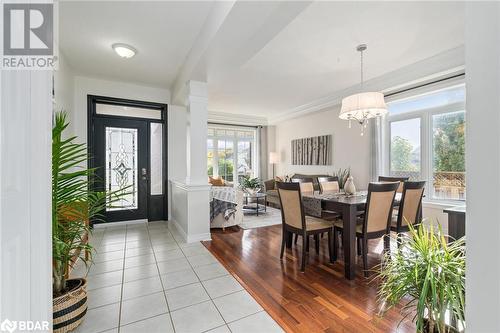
364,105
124,50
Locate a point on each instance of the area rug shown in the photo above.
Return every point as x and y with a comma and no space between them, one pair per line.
271,217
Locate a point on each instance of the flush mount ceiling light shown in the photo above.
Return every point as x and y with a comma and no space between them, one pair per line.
364,105
124,50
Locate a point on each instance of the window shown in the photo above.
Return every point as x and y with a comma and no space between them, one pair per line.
231,152
405,148
426,141
448,152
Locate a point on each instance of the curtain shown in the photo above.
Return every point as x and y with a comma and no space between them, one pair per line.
377,143
262,149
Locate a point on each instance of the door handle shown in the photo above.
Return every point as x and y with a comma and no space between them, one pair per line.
144,173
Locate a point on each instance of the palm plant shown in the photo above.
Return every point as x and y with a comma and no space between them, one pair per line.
428,275
73,203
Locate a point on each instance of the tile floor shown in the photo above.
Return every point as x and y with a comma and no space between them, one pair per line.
146,279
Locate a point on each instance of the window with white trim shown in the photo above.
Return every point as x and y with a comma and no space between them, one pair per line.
426,141
231,152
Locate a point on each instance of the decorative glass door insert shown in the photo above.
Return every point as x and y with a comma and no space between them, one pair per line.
121,166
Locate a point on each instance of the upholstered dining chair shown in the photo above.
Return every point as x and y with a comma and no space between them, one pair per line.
306,184
410,207
376,221
328,184
390,179
295,221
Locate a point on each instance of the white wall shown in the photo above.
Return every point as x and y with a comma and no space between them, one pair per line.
177,162
350,149
25,195
91,86
482,54
64,85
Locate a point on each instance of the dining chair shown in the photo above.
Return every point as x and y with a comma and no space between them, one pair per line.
328,184
376,221
295,221
306,184
390,179
410,207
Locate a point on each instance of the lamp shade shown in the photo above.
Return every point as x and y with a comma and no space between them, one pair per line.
363,106
274,158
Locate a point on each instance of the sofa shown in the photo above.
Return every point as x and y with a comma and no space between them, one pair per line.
220,222
272,193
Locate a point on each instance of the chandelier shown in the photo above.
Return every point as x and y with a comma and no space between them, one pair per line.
364,105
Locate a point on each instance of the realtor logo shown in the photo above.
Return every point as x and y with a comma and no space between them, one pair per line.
28,35
28,29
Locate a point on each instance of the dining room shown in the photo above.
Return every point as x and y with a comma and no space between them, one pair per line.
362,196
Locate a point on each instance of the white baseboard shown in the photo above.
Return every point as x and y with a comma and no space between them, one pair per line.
186,237
199,238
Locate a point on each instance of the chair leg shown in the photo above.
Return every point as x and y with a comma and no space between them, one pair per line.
289,238
283,241
296,238
398,237
307,242
305,239
365,256
316,243
358,241
335,245
330,246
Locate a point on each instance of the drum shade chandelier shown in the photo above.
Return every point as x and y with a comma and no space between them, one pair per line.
364,105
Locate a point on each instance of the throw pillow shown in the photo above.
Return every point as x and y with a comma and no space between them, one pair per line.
216,181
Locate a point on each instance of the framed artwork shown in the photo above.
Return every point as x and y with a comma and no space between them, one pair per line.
315,150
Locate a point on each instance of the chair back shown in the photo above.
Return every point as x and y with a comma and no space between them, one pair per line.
411,203
306,184
379,204
292,213
390,179
329,184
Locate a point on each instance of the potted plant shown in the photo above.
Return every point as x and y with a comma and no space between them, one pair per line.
73,205
427,274
250,185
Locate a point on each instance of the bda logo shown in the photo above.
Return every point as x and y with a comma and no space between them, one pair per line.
8,326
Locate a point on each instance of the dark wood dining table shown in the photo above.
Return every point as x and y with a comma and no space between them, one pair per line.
348,206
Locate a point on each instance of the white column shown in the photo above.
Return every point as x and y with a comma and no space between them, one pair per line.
25,196
482,62
190,199
197,106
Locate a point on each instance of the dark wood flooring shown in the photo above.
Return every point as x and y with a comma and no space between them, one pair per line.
319,300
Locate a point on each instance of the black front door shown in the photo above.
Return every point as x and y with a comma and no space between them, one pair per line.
121,154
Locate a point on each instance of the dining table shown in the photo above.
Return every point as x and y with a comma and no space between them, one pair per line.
348,206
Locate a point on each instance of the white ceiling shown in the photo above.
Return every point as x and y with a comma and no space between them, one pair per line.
266,57
315,54
162,32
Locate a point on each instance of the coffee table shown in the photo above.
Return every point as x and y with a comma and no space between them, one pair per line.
257,208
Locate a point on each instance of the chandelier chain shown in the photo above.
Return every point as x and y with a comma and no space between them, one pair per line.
361,63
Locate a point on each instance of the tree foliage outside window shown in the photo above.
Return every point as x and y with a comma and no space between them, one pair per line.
449,142
401,155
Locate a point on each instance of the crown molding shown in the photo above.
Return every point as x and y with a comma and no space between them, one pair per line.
236,119
439,66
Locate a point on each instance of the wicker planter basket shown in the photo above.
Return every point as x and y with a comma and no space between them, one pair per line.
70,309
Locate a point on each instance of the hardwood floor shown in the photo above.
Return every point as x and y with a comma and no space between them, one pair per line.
319,300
